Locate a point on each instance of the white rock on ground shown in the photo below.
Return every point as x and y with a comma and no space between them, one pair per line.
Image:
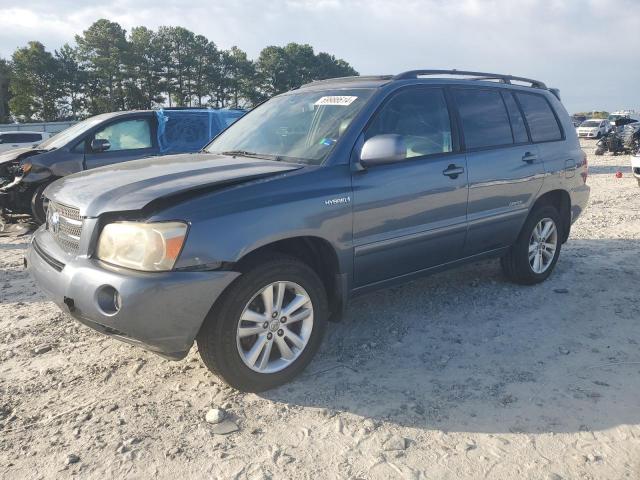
215,415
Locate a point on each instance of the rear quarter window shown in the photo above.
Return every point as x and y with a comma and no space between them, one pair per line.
542,122
485,122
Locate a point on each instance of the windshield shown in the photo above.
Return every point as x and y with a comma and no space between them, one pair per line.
299,127
65,136
591,123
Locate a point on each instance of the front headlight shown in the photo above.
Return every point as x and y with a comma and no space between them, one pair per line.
142,246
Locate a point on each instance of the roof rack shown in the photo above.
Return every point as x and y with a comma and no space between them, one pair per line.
353,78
477,76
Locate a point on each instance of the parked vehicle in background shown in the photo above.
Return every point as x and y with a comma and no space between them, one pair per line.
620,114
21,139
103,140
325,192
623,138
578,119
593,128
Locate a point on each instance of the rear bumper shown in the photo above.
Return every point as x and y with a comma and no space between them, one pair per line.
161,312
579,200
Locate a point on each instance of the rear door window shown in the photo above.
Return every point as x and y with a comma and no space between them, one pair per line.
518,126
485,122
542,122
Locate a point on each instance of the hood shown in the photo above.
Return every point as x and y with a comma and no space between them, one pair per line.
133,185
16,154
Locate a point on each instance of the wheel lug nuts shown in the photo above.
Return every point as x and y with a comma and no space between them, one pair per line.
274,315
280,332
265,324
283,319
269,336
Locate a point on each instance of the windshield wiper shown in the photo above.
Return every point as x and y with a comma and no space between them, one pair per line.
240,153
262,156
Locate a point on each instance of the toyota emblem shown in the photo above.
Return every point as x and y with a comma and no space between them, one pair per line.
54,222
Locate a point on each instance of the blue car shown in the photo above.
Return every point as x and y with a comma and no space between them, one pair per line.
103,140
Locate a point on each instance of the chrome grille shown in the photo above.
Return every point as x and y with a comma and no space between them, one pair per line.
65,225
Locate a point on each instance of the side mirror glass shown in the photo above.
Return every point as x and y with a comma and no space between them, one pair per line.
100,145
383,149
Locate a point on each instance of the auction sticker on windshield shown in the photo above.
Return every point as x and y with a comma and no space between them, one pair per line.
336,100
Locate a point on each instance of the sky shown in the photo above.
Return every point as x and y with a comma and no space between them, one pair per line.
586,48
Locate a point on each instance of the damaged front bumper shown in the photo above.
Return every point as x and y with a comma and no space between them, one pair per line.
160,311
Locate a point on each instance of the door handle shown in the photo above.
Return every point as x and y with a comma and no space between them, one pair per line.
453,171
529,157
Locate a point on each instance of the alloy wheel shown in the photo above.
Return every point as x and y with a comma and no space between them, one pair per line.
275,327
542,245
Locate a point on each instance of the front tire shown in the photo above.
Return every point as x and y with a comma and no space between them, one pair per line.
534,255
600,151
39,204
267,326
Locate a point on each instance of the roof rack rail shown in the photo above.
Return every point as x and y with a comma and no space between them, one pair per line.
463,73
352,78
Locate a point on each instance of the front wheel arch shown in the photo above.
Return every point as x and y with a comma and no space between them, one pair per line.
39,203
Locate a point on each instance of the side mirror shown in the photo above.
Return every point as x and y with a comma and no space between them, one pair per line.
383,149
100,145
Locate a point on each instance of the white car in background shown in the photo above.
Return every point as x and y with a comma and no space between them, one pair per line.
21,139
593,128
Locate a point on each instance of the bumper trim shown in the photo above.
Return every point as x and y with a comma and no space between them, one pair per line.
55,264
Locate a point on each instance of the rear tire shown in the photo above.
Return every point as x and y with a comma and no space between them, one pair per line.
228,353
599,151
518,264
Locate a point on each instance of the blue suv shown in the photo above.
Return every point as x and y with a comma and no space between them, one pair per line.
329,191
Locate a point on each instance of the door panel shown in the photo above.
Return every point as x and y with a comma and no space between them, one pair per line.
505,172
407,217
502,187
410,215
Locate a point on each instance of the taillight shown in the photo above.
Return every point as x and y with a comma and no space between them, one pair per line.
585,167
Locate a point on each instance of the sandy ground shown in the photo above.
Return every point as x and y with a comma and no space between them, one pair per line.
460,375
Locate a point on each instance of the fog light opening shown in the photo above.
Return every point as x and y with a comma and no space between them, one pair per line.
108,299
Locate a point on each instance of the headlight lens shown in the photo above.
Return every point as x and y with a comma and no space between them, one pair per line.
25,168
142,246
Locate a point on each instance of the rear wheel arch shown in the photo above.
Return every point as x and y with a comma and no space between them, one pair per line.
561,201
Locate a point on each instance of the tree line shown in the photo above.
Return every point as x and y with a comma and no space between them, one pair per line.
108,70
